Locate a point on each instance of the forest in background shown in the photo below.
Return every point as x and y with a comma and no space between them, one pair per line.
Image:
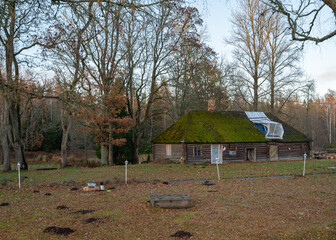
111,76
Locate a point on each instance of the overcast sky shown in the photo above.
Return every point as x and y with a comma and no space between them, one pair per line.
319,61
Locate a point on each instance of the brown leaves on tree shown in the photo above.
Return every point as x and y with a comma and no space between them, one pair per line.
104,117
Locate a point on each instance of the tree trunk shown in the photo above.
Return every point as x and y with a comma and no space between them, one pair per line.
16,139
104,154
65,135
330,123
85,149
6,154
110,146
12,101
334,126
1,156
4,139
110,154
272,92
136,141
255,92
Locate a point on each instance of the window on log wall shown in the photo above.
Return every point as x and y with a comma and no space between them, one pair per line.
197,151
168,149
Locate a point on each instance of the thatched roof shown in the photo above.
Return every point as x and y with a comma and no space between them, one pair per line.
222,127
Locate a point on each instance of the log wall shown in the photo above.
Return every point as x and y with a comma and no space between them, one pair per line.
160,155
260,152
286,151
293,151
205,153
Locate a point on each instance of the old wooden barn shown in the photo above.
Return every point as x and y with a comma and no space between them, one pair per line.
204,136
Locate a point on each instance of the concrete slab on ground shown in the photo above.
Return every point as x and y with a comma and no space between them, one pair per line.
171,201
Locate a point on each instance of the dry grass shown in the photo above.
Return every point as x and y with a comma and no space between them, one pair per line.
166,172
286,208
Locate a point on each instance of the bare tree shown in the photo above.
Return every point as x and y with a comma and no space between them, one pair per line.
304,18
282,56
129,4
329,103
104,58
65,45
251,30
308,91
160,35
197,75
19,23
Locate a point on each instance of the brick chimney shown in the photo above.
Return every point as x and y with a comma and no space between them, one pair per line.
211,105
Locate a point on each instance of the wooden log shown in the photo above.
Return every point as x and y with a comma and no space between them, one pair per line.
89,189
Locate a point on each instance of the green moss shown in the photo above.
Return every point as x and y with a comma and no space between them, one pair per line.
290,133
221,127
175,133
211,127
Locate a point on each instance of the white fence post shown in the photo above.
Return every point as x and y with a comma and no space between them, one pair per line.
19,167
126,162
304,164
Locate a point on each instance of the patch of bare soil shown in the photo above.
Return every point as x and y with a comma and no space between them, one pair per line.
84,211
182,234
62,207
58,230
212,191
91,220
207,183
46,169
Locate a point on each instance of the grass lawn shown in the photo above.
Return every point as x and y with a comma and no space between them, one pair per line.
165,172
282,208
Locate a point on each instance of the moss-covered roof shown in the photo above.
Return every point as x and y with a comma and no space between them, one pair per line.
220,127
290,133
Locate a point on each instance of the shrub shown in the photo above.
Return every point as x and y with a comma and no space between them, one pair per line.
52,139
98,151
145,148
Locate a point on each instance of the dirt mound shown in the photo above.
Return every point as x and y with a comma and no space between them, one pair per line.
58,230
207,183
62,207
212,191
91,220
182,234
46,169
84,211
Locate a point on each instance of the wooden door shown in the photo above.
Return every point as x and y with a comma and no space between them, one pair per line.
216,154
273,153
251,154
